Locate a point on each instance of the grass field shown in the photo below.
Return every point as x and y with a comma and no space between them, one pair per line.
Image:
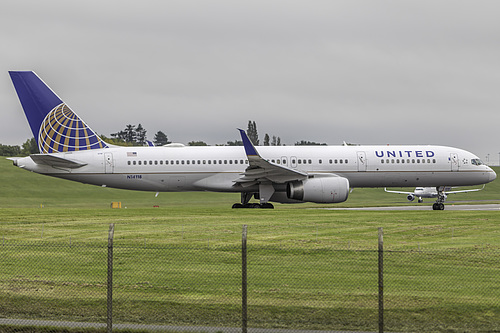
309,268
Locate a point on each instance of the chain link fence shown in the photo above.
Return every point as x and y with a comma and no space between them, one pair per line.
199,287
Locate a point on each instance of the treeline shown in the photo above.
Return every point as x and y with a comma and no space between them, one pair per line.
27,148
135,135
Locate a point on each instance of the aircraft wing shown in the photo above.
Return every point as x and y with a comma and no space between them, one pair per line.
465,191
398,192
55,161
261,170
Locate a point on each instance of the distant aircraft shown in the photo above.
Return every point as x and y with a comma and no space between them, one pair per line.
430,192
70,149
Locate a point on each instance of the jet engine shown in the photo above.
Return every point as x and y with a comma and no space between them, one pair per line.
410,197
319,190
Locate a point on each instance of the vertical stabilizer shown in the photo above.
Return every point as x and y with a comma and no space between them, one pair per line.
55,127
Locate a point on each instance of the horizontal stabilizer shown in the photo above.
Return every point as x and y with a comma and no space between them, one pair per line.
54,161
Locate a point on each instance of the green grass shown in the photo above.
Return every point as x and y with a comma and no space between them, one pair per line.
179,264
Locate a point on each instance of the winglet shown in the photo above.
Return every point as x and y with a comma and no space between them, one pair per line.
249,147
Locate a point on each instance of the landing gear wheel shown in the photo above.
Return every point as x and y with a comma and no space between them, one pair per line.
267,205
438,206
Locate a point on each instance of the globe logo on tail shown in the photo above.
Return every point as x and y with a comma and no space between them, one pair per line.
62,131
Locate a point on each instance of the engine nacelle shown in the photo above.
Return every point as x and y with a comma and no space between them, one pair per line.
319,190
410,197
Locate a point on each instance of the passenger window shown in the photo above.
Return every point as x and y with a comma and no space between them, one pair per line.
346,161
140,162
128,162
320,161
310,161
134,163
156,162
341,161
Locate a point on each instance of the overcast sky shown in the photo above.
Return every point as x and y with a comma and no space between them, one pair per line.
369,72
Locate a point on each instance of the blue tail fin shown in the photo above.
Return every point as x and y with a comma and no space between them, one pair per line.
55,127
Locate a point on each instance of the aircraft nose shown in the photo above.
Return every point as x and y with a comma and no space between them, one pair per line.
493,175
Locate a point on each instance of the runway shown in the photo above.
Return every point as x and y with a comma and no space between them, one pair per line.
486,207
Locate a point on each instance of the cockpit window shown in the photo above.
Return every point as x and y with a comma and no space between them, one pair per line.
476,161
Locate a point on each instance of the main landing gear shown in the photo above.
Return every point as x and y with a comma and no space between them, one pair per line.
439,204
245,198
267,205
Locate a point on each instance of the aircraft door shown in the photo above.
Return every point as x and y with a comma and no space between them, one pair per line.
109,165
454,161
293,162
362,165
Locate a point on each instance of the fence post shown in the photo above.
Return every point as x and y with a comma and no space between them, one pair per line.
110,278
244,319
380,280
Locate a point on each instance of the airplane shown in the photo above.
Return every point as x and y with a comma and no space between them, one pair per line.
70,149
430,192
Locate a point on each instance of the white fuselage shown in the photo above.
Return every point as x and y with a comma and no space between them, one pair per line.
166,169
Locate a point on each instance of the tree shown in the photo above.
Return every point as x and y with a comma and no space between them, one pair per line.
160,139
266,140
234,143
276,141
309,143
197,143
10,150
30,147
140,135
252,133
129,133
